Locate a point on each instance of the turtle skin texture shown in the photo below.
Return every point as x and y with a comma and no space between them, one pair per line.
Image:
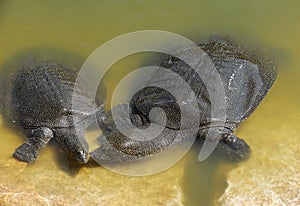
247,76
39,101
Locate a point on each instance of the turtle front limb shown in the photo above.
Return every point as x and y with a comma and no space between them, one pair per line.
116,147
37,138
136,142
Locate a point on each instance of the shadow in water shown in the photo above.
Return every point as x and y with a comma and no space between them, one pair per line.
204,182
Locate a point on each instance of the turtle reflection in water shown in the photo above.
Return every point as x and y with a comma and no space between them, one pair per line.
39,99
247,77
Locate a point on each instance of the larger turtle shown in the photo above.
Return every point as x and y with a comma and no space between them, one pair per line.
39,100
246,75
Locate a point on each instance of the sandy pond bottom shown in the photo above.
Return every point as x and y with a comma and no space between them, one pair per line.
21,185
270,176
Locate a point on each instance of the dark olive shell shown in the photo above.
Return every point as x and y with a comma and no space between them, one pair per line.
246,75
40,94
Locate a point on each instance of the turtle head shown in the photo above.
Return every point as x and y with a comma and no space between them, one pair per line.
229,146
76,152
80,155
233,148
75,146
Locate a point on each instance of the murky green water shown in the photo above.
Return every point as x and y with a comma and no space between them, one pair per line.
80,27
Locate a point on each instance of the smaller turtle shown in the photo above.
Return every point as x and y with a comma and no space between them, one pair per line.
247,77
39,100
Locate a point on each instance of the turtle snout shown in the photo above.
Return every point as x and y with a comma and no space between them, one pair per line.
82,156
